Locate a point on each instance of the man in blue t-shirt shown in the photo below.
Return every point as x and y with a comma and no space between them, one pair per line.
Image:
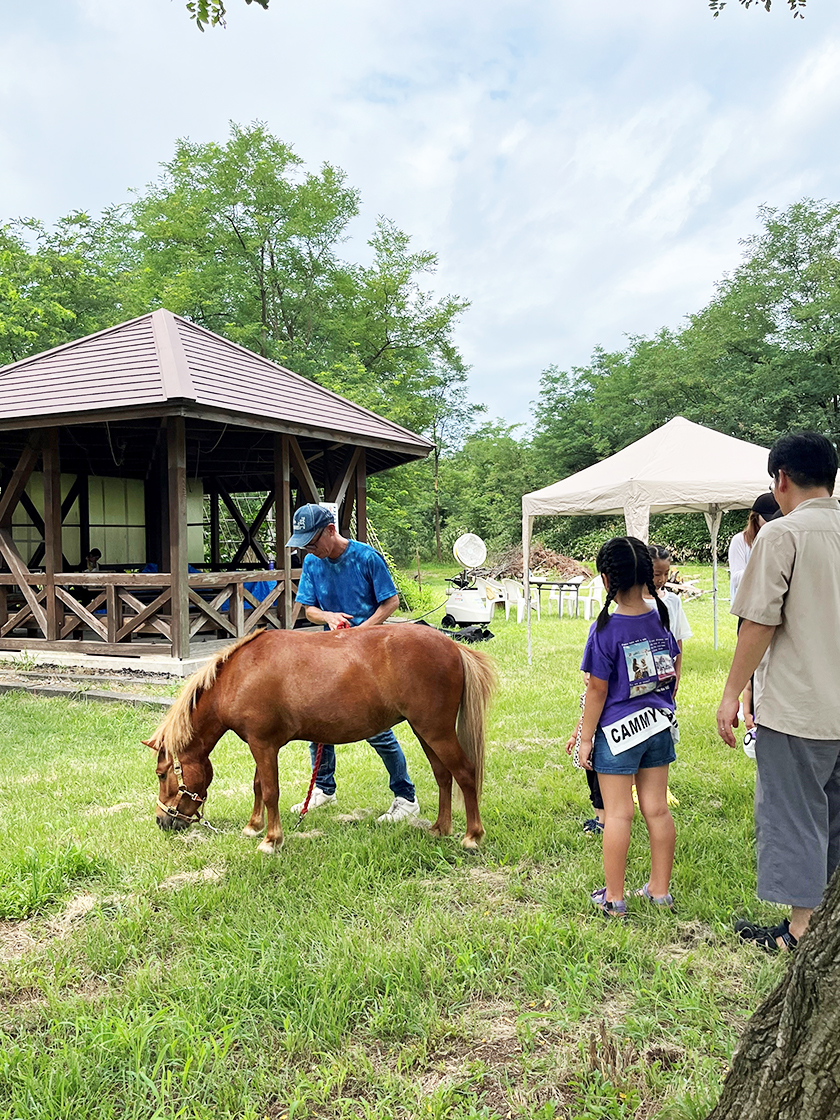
345,582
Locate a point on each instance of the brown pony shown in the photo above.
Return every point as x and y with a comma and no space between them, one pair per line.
338,686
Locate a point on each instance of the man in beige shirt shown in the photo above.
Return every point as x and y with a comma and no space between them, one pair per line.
789,599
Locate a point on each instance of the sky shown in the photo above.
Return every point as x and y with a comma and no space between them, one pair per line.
585,169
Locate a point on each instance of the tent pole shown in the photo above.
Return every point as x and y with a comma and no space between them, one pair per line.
526,575
713,522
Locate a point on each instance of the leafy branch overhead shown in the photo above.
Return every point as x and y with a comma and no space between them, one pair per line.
213,12
717,6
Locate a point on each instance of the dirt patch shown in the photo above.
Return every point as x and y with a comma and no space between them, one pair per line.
315,834
106,810
19,938
76,909
26,999
356,815
187,878
15,940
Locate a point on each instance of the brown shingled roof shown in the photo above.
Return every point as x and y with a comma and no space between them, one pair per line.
160,364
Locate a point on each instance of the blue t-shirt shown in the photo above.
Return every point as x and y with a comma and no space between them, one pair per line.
356,583
635,655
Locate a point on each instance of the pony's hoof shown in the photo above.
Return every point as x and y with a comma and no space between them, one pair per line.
436,830
248,831
270,847
470,843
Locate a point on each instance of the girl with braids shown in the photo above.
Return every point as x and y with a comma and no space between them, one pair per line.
627,730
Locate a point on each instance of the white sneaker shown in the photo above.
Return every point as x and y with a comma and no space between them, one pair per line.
317,801
401,810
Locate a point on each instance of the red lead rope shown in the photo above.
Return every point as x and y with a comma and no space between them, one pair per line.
305,808
318,753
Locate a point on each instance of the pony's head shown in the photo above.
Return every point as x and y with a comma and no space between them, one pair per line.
183,785
183,767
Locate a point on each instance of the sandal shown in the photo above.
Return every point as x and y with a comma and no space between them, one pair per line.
593,827
765,936
665,900
609,909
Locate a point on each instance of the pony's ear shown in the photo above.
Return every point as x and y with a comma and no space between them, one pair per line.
150,743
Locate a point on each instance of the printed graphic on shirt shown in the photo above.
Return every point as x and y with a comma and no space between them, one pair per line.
649,664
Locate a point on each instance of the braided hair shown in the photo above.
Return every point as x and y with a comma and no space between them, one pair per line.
626,562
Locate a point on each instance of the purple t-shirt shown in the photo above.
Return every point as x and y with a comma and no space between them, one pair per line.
635,655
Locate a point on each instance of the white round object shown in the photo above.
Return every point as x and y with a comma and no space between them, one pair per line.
470,550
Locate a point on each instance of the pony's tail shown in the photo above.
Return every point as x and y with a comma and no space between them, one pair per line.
480,680
176,730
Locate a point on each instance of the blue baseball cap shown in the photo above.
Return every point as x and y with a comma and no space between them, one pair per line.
307,522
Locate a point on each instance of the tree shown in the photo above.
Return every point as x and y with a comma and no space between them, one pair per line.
213,12
483,483
59,284
238,237
452,416
787,1064
796,6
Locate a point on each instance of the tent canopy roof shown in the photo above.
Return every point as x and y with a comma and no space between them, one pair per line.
680,467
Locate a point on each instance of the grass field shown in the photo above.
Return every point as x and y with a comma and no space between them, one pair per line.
368,971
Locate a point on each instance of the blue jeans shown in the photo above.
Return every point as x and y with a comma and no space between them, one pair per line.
658,750
386,746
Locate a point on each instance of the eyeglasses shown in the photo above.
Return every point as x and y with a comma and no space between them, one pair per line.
313,542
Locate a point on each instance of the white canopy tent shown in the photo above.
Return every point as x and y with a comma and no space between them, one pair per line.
682,467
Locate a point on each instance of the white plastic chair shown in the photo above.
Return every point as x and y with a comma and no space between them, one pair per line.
591,595
570,596
515,593
554,596
490,590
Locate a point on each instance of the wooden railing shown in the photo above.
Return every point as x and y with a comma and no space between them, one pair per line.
118,608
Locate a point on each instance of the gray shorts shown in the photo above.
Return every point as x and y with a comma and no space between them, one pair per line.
797,816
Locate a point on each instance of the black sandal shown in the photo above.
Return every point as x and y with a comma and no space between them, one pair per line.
765,936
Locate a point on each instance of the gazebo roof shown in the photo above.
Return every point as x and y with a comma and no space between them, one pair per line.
160,364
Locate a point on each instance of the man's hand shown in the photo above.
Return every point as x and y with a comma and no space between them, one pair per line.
727,718
333,619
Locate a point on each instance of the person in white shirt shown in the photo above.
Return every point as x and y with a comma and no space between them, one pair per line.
680,628
765,508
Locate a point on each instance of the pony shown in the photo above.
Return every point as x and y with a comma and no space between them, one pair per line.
334,686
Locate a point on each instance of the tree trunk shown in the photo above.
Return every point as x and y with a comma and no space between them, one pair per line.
787,1064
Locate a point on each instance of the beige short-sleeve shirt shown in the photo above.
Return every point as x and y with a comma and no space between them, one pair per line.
792,582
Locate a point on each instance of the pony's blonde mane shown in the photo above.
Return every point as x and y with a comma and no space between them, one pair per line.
176,730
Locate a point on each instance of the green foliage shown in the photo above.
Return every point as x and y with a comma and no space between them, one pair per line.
482,486
33,878
796,6
213,12
62,283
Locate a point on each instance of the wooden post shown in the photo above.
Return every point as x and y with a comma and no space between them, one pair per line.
361,498
215,549
52,532
283,522
177,499
84,517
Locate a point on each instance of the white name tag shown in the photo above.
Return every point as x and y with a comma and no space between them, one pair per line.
632,730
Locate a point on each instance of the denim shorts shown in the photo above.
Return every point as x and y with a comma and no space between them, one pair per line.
658,750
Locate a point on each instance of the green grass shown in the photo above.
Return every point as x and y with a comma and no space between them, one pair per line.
370,972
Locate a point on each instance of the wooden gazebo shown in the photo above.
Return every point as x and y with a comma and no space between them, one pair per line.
183,418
